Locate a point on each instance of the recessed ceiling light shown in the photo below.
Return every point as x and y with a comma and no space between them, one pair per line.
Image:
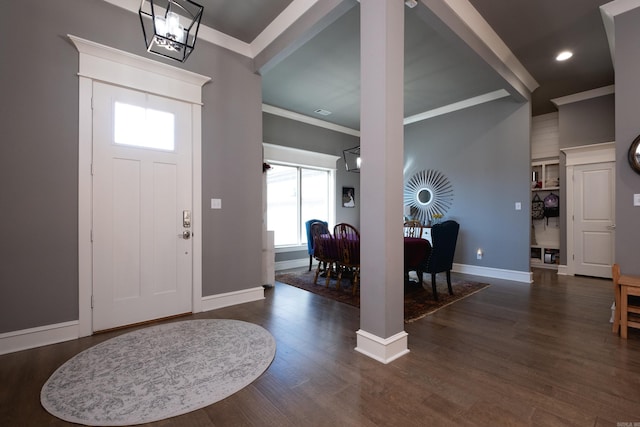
564,55
322,112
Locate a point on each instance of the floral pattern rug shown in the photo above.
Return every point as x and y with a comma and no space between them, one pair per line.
418,299
158,372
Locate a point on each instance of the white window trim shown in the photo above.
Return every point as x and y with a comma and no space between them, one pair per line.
304,158
103,63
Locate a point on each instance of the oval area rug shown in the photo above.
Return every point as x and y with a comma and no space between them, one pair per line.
158,372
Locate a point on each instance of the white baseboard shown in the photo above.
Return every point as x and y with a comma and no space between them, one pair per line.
384,350
563,270
294,263
496,273
213,302
25,339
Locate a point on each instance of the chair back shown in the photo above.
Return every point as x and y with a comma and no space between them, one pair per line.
325,248
310,242
444,237
348,243
413,228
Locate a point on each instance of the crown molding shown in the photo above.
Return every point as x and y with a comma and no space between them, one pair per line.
470,102
308,120
283,21
583,96
481,28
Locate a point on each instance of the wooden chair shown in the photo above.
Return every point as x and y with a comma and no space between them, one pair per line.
348,243
413,228
316,228
326,252
623,288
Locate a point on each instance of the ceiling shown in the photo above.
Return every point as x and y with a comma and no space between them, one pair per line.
440,70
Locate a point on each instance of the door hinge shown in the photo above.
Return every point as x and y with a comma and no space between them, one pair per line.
91,235
91,301
92,102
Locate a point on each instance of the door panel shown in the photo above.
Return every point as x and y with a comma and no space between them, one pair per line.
142,267
594,217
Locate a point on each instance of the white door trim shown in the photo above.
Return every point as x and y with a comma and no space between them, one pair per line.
582,155
98,62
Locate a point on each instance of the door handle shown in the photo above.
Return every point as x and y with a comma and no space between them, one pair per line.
611,227
186,235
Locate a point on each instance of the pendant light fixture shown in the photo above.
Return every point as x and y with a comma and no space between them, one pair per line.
351,158
170,27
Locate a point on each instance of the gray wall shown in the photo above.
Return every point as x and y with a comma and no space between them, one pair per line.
587,122
39,157
627,69
582,123
485,153
290,133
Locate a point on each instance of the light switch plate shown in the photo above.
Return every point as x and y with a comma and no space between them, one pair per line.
518,206
216,203
636,200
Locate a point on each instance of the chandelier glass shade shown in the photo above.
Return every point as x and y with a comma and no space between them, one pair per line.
351,158
170,27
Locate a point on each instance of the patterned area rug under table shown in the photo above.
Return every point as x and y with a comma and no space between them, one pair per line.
418,299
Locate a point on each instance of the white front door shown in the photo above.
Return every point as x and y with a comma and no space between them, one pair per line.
594,218
142,207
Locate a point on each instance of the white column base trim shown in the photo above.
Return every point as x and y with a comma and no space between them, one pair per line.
563,270
213,302
496,273
383,350
36,337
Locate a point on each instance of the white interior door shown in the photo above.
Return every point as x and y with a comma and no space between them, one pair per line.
142,202
594,219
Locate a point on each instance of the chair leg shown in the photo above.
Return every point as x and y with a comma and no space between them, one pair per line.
616,312
449,282
310,261
356,275
328,272
433,286
315,278
624,313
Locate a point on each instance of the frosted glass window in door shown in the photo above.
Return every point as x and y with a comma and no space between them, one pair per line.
143,127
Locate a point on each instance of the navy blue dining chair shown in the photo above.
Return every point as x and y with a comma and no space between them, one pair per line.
444,237
310,243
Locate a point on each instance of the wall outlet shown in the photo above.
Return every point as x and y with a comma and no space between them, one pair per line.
216,203
479,254
518,206
636,200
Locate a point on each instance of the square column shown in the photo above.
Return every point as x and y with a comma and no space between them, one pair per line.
381,335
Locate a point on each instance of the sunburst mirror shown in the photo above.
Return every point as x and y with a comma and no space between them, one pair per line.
428,192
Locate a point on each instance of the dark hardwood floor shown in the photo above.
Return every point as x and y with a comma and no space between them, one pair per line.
513,354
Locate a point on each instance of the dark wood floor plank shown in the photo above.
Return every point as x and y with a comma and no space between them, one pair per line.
514,354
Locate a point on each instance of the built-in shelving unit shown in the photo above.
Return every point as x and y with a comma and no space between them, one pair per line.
545,239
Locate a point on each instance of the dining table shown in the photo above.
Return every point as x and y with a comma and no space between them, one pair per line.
416,252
